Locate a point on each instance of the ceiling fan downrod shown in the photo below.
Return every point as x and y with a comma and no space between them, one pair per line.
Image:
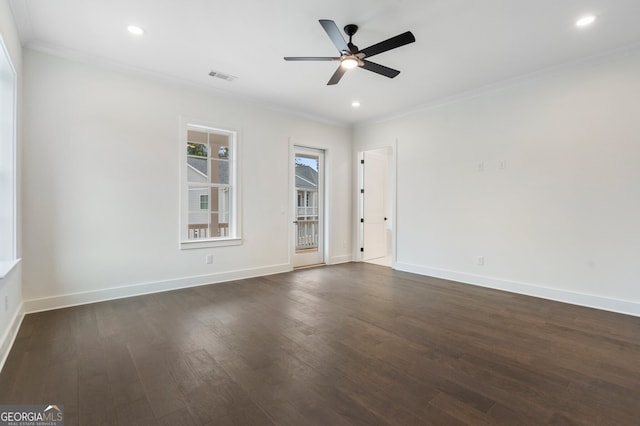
350,30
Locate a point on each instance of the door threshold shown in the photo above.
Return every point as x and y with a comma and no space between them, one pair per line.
315,265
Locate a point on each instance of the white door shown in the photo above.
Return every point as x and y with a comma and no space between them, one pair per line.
308,204
374,207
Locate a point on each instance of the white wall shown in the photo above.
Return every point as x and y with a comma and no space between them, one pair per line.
101,184
561,220
11,284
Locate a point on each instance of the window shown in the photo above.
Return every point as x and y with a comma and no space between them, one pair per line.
7,162
204,202
209,200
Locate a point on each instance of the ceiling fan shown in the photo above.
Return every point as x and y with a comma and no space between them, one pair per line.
351,56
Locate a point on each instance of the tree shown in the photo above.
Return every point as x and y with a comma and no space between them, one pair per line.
197,149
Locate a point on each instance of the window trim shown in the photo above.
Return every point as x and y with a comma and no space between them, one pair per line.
9,255
235,234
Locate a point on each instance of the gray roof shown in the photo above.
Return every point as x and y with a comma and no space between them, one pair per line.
200,164
306,177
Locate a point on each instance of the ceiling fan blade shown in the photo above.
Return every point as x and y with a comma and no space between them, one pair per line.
335,78
334,34
391,43
310,58
379,69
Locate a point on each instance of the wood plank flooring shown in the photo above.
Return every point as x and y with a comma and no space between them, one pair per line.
352,344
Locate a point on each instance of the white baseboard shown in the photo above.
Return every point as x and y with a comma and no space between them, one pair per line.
82,298
10,335
334,260
574,298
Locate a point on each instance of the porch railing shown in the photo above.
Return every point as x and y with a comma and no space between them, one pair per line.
307,211
201,230
306,234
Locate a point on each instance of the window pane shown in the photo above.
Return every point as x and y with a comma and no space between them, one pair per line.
219,171
197,170
220,201
197,149
219,226
307,184
219,146
197,137
198,219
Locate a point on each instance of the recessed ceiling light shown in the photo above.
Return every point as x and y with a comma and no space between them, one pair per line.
134,29
355,104
585,21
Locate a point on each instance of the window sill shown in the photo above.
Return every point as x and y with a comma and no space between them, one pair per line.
217,242
6,266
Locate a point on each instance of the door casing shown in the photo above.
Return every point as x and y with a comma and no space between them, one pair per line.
392,173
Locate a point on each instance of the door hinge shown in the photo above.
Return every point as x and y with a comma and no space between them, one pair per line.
361,161
361,248
362,220
362,191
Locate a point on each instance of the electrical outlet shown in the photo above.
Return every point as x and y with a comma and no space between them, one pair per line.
209,259
480,260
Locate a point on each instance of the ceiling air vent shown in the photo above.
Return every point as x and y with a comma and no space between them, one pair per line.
222,76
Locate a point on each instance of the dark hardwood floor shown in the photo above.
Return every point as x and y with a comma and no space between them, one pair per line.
347,344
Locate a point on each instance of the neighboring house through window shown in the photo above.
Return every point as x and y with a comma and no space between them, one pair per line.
209,206
307,204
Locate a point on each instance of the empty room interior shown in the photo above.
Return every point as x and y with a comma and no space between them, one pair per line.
333,213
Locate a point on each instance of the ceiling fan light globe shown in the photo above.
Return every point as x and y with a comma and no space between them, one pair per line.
349,63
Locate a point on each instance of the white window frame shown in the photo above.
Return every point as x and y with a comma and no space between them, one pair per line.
8,167
235,235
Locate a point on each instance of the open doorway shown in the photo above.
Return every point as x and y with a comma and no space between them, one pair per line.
376,206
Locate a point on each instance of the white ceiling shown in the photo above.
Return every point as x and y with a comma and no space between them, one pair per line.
461,44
